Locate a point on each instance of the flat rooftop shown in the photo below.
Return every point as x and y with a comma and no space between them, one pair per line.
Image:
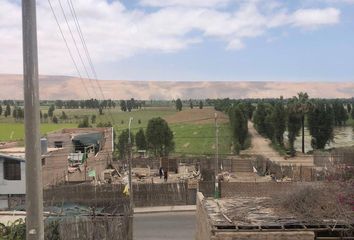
260,214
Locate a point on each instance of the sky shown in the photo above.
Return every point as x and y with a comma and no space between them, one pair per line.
189,40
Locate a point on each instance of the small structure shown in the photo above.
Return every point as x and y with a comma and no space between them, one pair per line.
12,179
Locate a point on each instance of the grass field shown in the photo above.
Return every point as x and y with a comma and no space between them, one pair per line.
16,131
191,136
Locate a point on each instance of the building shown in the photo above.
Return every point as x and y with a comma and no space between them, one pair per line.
12,179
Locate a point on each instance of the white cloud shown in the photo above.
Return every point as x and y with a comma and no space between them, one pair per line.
315,17
186,3
114,32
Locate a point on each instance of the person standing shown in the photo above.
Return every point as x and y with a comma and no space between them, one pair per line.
165,176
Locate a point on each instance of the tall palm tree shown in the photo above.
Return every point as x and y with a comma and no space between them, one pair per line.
302,109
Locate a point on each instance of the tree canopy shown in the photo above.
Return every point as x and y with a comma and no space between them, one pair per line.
159,137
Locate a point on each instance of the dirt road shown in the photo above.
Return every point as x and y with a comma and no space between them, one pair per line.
261,146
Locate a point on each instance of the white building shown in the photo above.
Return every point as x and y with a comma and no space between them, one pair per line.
12,178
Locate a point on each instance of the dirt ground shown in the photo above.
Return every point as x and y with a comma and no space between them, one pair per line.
197,116
261,146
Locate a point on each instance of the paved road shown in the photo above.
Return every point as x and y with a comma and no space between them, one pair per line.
164,226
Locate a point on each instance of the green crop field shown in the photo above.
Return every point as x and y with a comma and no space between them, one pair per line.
16,131
190,138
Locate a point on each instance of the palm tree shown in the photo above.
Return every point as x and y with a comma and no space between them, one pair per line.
302,107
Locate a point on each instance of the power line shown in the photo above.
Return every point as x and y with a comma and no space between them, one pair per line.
75,44
68,48
87,53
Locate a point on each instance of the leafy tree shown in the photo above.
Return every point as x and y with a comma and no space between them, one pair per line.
249,109
302,107
294,126
84,123
93,119
14,113
45,116
352,113
159,137
190,103
63,116
129,105
279,122
340,113
41,115
100,111
123,106
239,126
51,111
0,109
201,105
123,143
179,104
260,118
349,108
321,121
140,140
55,119
7,110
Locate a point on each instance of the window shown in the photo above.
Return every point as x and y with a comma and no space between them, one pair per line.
12,170
58,144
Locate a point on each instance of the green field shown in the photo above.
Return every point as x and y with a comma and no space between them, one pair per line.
194,139
16,131
190,139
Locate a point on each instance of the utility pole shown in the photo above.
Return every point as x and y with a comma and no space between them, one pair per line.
131,199
216,192
34,187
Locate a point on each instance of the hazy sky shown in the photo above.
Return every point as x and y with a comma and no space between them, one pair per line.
259,40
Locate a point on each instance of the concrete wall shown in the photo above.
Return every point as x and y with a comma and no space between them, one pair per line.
13,186
203,226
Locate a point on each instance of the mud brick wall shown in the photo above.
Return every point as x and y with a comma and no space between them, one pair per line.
203,226
261,189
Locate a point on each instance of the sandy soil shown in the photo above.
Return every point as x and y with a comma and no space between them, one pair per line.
261,146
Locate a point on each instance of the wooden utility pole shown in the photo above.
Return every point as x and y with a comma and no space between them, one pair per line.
131,198
34,187
216,192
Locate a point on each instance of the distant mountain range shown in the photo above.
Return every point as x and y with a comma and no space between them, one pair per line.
64,87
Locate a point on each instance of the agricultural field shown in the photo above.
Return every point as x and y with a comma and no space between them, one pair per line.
16,132
194,129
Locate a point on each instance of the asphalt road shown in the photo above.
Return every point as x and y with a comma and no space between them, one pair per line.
166,226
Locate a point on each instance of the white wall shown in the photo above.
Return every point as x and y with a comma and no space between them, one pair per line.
13,186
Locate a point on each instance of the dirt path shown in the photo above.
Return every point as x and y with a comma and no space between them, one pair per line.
261,146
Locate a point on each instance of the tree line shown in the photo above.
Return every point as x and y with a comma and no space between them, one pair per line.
319,115
157,138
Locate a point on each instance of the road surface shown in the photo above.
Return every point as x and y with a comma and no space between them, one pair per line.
261,146
164,226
